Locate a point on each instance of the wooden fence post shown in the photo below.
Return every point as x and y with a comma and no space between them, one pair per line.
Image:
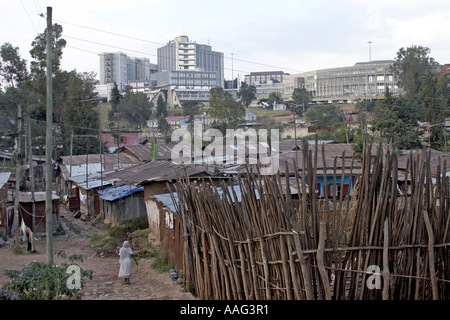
386,261
320,261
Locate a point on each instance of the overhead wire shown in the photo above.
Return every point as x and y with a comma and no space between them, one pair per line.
28,15
162,44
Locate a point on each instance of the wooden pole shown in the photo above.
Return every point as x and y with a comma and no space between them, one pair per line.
48,142
17,175
386,261
320,261
30,162
434,285
306,275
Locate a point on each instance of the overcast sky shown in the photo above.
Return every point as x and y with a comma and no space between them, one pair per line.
288,35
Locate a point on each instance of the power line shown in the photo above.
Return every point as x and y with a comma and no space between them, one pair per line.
109,32
163,44
26,11
121,48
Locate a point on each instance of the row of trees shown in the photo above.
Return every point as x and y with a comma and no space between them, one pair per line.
424,97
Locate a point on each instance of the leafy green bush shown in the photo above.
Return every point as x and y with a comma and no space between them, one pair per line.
42,281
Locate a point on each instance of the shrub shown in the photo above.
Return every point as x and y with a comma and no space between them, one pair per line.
42,281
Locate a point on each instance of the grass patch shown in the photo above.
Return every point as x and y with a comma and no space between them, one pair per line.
102,242
122,230
115,236
59,231
161,263
18,250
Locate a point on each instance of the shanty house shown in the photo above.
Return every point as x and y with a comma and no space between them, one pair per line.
87,169
4,201
155,178
87,190
172,233
336,169
122,203
26,209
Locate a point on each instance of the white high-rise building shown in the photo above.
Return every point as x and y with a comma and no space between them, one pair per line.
114,68
118,67
183,54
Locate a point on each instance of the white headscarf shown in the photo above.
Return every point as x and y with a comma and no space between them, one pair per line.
125,250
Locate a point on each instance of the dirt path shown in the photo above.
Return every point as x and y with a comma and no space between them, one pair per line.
146,283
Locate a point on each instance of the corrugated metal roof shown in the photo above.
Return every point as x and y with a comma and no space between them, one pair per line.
39,196
161,170
115,193
167,201
109,162
143,152
80,169
4,176
94,183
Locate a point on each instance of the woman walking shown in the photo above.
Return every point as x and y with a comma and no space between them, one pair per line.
125,254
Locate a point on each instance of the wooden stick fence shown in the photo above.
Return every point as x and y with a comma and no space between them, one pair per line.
250,238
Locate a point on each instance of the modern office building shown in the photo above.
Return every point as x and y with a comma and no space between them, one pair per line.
113,68
187,71
118,67
183,54
364,80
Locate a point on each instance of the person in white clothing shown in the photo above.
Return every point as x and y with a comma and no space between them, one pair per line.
126,253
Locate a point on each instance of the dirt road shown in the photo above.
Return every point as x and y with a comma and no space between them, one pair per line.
146,283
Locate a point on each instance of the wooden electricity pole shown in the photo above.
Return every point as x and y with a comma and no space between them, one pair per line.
31,170
18,164
48,142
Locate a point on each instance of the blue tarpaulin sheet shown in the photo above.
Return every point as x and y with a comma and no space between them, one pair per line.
115,193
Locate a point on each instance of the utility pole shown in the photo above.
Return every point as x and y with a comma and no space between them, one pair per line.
370,51
48,142
31,170
232,72
18,164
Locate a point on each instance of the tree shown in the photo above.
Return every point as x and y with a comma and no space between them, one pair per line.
324,115
38,77
300,96
227,112
164,127
116,97
39,51
137,108
190,107
161,107
13,68
274,97
433,95
410,65
395,123
247,94
80,116
300,99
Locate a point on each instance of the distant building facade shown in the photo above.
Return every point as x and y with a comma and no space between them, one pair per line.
364,80
256,78
118,67
187,71
183,54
